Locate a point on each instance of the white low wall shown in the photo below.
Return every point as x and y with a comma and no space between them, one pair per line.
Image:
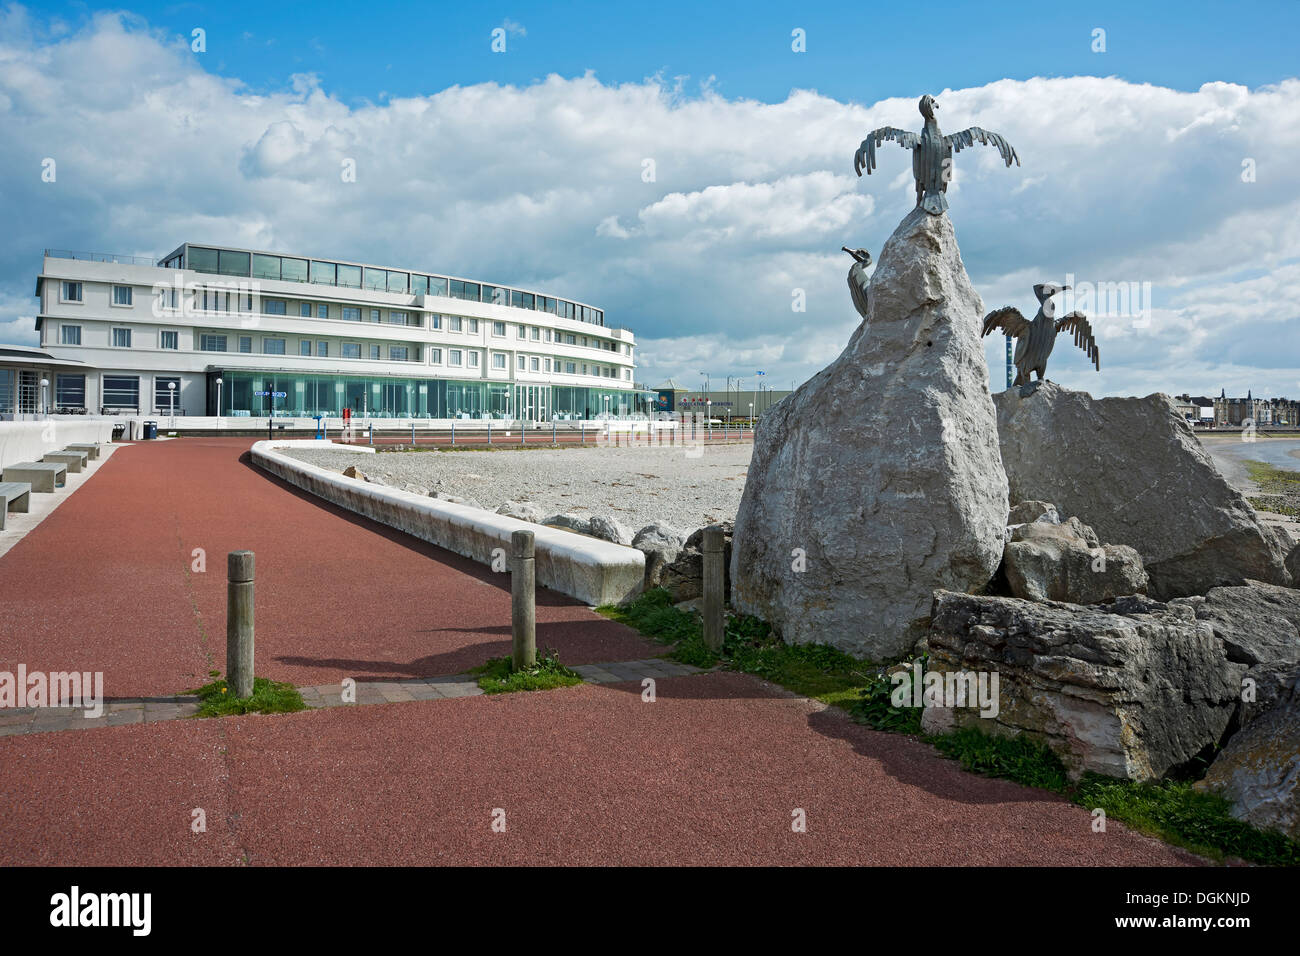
29,441
591,570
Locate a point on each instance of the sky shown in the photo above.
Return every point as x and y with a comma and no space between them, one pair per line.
687,169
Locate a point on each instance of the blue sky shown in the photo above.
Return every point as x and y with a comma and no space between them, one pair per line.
855,51
526,168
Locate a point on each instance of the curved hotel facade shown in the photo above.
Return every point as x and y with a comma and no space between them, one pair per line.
233,330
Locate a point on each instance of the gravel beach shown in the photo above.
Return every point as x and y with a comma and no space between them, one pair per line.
636,486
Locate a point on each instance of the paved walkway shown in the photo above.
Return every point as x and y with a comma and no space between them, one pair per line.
128,577
148,710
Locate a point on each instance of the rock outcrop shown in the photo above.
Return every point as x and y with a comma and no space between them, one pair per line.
522,510
1047,561
1258,772
1134,689
1133,470
569,523
880,479
661,544
609,529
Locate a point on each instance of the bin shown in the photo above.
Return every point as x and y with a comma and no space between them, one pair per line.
150,431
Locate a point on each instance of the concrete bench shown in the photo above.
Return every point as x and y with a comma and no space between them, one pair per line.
14,496
43,476
75,460
89,447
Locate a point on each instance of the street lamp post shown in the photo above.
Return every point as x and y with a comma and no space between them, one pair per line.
219,381
171,392
45,396
751,418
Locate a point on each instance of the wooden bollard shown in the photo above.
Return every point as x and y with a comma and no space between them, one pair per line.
239,623
713,587
523,601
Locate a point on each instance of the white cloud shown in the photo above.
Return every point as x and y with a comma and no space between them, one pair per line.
541,186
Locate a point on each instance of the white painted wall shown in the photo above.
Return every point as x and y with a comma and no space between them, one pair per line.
29,441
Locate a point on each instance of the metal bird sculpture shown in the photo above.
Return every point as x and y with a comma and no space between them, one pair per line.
931,154
1034,340
858,281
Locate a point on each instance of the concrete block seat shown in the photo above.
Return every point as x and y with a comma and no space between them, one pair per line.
89,447
14,496
75,460
43,476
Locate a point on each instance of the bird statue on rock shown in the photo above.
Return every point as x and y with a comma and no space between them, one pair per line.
931,154
858,280
1034,340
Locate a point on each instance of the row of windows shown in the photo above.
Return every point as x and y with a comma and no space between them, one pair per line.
289,269
75,292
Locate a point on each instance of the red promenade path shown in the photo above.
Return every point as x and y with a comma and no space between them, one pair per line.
708,773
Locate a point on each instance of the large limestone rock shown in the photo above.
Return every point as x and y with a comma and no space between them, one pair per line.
1258,772
879,480
661,543
1131,689
1046,561
1133,470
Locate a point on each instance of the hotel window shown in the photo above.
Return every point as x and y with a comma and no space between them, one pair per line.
202,260
169,339
266,267
521,363
304,309
322,349
435,321
548,365
473,359
437,286
473,325
548,335
349,277
304,347
121,338
454,357
499,360
70,391
70,335
351,314
397,318
246,343
398,282
419,285
374,352
535,334
374,315
72,292
521,332
496,295
122,391
351,350
162,395
274,307
570,340
584,368
499,329
377,280
322,311
453,323
627,373
209,342
233,263
121,295
270,346
568,368
435,356
322,273
464,290
535,364
167,298
521,300
293,270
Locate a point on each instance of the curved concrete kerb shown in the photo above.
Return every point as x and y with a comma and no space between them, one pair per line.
591,570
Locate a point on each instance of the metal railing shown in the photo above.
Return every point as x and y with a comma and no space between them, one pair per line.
100,257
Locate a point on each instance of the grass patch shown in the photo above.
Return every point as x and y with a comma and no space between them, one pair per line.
1179,814
1011,758
1274,481
497,676
269,697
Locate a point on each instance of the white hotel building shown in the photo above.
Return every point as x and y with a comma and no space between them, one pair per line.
223,325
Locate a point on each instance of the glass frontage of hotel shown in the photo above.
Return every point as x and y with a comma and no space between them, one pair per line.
244,393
